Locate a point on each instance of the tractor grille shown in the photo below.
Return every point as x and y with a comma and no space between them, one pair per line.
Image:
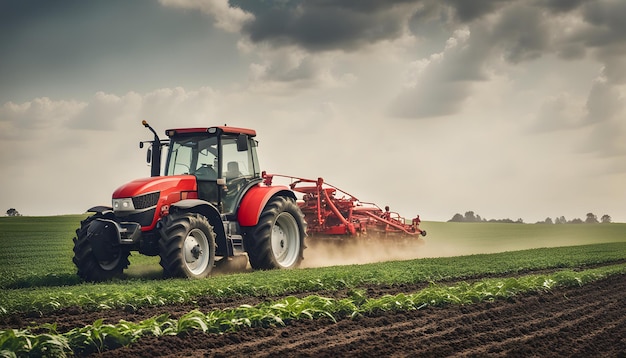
146,200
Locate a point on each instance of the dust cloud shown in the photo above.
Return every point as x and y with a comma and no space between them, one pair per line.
323,252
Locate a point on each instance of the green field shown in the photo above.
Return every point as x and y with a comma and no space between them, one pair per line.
36,269
37,251
454,239
37,276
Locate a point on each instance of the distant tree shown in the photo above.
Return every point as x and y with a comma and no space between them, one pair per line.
546,221
478,218
470,217
606,219
457,218
13,212
576,221
519,221
560,220
591,219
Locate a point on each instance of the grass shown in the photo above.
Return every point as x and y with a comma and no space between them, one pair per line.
452,239
37,275
37,251
145,292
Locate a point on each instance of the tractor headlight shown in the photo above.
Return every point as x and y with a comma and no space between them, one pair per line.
125,204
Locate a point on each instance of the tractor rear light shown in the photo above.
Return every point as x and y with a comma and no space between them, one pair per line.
212,130
170,132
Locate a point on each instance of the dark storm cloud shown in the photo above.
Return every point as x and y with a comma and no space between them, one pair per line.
522,33
518,32
559,6
607,36
467,11
328,25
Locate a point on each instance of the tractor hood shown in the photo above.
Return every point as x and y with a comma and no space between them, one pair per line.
144,200
164,185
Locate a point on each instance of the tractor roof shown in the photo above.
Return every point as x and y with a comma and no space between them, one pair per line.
215,129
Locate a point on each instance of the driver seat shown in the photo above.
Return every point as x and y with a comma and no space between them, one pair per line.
232,170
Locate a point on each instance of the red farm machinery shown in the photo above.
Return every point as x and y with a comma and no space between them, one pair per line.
212,205
333,213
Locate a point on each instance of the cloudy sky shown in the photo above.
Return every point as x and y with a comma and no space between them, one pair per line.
509,108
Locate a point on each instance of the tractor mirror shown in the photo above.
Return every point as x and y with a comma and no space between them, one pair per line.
242,143
140,145
149,155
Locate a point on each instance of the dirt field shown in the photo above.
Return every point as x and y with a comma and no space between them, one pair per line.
577,322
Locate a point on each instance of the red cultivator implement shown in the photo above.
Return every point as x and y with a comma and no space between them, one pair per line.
330,211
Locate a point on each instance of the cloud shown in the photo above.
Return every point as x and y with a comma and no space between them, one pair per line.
227,18
606,35
606,107
522,32
439,84
330,25
107,112
30,118
104,111
288,70
467,11
604,102
559,112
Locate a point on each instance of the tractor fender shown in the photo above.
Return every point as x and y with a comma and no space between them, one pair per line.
100,209
255,200
209,211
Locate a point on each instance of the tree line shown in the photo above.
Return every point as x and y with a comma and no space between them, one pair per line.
591,218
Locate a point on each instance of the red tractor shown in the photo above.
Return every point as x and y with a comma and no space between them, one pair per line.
209,205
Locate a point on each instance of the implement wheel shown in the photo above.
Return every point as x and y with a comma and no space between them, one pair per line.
90,268
277,242
187,246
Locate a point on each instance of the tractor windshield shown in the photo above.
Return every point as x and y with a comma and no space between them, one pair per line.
193,155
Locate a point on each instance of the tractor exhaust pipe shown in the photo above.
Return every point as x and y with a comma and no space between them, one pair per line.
154,153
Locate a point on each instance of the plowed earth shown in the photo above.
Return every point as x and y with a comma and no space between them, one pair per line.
575,322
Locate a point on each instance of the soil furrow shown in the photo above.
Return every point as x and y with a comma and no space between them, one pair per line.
581,321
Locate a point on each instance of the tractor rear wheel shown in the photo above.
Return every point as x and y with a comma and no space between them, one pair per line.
187,248
89,267
277,242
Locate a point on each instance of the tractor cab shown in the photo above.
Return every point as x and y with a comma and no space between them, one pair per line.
223,160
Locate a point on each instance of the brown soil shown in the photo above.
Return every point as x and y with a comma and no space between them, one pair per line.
575,322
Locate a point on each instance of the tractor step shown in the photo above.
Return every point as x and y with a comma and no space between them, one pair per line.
236,242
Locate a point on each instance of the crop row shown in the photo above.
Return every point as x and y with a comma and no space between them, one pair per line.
141,293
99,336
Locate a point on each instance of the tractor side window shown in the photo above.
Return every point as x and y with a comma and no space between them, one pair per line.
236,164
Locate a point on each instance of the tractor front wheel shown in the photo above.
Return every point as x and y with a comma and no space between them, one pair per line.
277,242
90,268
187,246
